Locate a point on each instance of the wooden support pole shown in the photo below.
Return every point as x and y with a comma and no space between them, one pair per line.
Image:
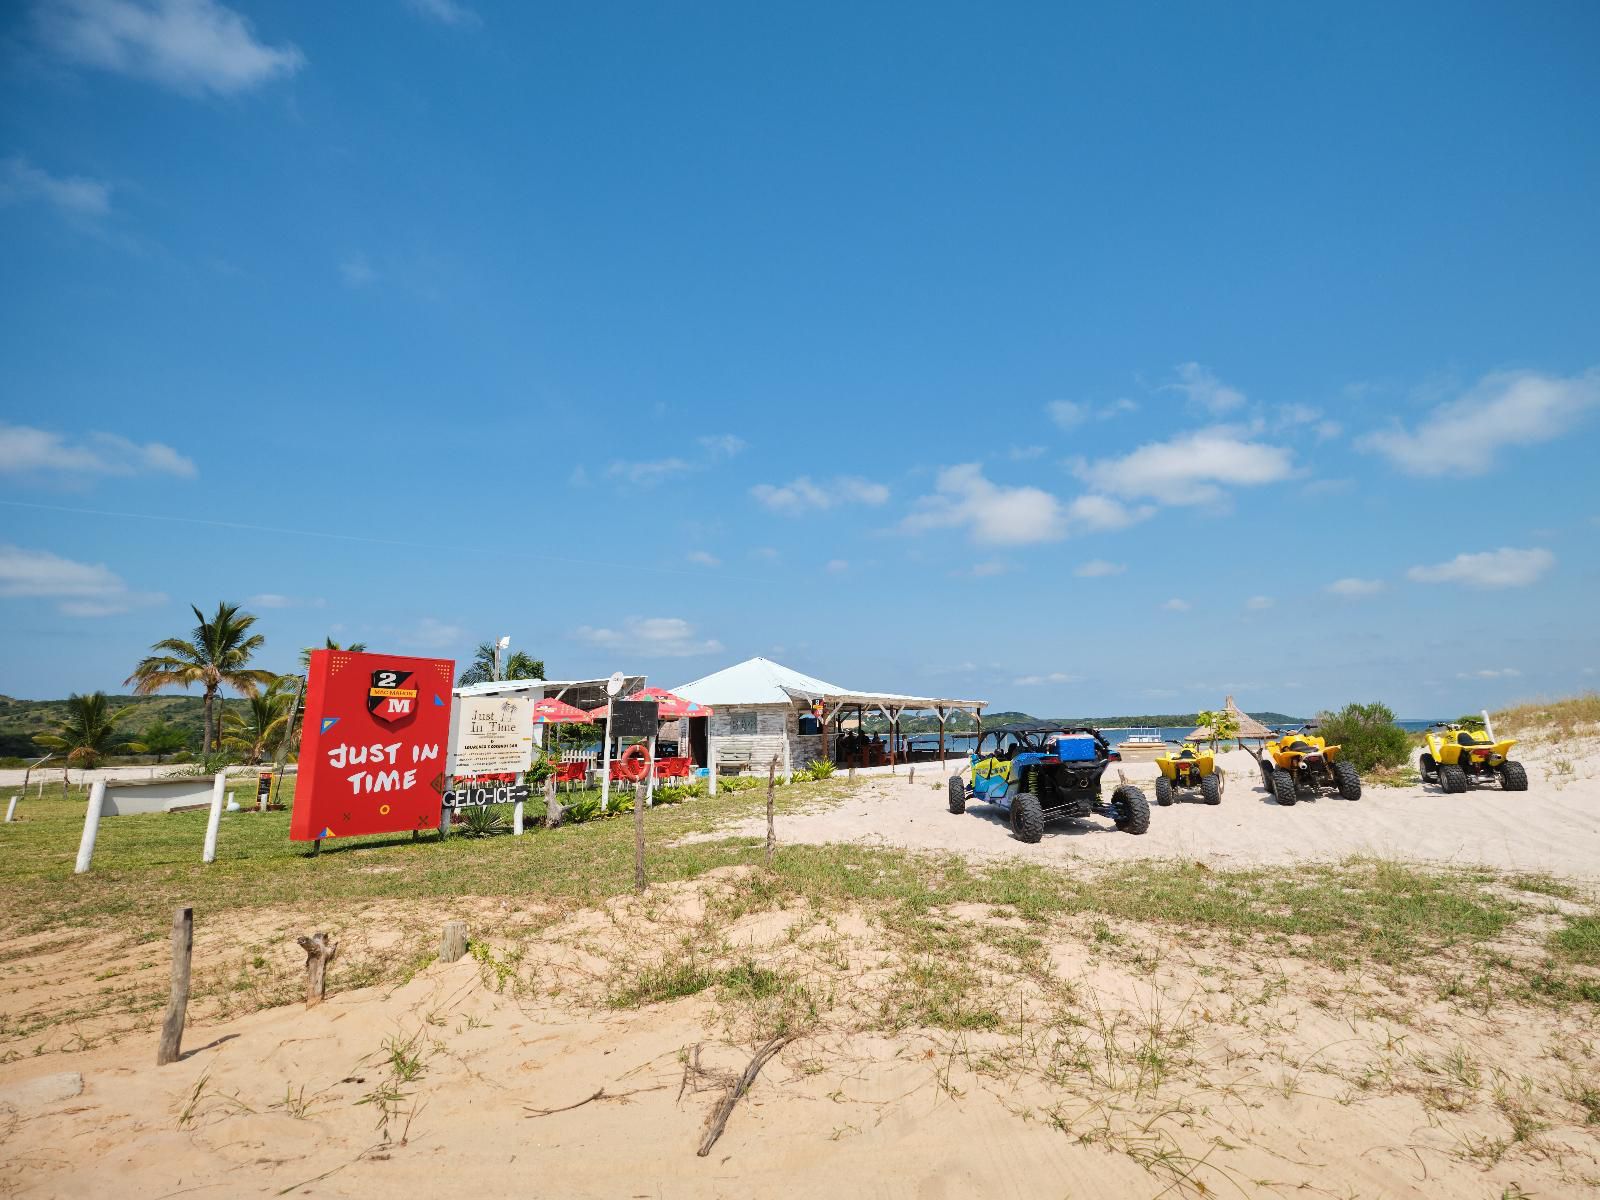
772,837
178,997
913,776
319,953
639,799
453,942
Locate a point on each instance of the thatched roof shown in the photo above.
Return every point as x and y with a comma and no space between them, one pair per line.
1249,727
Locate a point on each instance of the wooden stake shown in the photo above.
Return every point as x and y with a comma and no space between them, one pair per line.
319,953
178,997
453,944
638,837
552,807
772,770
912,778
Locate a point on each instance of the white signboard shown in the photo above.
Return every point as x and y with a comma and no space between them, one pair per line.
490,735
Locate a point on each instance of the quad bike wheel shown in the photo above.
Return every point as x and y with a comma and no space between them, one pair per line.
1513,777
1452,779
1164,796
1348,780
1131,810
1211,789
958,795
1027,817
1284,787
1429,768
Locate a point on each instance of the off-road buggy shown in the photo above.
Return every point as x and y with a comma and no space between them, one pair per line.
1041,773
1458,758
1188,768
1304,762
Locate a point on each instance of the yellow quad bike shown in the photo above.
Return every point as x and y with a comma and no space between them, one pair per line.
1188,768
1304,761
1458,758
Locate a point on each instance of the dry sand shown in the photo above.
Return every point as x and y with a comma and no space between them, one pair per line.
1130,1061
1555,826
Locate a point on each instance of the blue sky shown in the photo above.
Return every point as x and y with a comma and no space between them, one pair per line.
1083,361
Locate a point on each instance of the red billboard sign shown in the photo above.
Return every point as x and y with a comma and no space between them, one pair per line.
372,749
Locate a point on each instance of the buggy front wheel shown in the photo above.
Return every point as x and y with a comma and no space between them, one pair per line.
958,795
1130,809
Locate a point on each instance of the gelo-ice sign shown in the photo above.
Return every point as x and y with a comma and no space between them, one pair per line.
372,747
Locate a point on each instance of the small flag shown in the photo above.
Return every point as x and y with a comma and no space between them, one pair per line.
328,723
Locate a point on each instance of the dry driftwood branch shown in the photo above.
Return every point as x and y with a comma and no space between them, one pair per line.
724,1109
319,953
602,1094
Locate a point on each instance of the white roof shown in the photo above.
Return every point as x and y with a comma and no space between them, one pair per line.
543,687
762,681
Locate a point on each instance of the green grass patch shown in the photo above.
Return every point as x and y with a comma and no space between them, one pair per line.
1578,941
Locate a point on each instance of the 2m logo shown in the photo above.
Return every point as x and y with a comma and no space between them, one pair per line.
389,699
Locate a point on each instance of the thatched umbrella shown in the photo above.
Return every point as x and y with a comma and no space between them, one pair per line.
1249,727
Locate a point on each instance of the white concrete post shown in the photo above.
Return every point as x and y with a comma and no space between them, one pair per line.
91,826
516,820
605,769
788,761
11,810
711,762
215,819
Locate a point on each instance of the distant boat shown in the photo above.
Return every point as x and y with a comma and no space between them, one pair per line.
1142,745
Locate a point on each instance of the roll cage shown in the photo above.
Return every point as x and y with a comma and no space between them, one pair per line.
1008,741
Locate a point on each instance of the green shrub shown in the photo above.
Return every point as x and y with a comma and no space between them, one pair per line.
1470,721
585,809
480,820
1368,736
818,768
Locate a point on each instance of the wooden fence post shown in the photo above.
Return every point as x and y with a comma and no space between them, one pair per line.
178,996
453,944
772,771
552,810
319,953
638,837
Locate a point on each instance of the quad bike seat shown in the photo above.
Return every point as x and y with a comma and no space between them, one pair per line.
1466,739
1300,745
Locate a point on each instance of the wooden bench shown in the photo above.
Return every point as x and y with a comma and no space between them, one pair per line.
732,762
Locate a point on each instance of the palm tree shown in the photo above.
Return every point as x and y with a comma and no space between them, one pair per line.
214,655
259,734
518,666
328,644
89,732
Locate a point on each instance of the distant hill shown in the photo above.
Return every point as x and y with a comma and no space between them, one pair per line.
962,722
21,719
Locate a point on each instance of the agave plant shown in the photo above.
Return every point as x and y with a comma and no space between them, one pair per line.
819,768
483,819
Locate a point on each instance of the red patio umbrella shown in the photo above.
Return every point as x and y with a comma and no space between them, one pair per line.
551,711
673,707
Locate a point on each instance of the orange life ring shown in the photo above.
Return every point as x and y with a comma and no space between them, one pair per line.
632,763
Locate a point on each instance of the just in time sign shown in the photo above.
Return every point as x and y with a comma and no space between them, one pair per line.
372,746
491,735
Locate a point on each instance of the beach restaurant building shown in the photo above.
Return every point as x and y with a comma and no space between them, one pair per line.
763,711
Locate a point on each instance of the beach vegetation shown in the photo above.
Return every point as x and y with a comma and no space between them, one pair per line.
161,738
88,732
515,666
1367,736
1220,725
257,733
216,654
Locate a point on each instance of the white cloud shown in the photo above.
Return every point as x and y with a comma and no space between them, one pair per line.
1509,408
25,450
1069,414
704,558
1490,673
1094,514
987,570
191,46
1038,680
803,495
79,589
447,12
1191,469
356,271
73,195
1177,605
276,600
1259,603
723,445
1099,568
1205,389
1353,589
1501,568
646,474
650,637
836,566
430,633
991,513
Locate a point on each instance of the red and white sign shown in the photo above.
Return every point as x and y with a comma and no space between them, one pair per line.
372,748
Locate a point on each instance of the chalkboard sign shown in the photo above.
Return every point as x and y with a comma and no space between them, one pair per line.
635,718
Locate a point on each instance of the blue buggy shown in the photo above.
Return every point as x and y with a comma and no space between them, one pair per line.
1040,773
